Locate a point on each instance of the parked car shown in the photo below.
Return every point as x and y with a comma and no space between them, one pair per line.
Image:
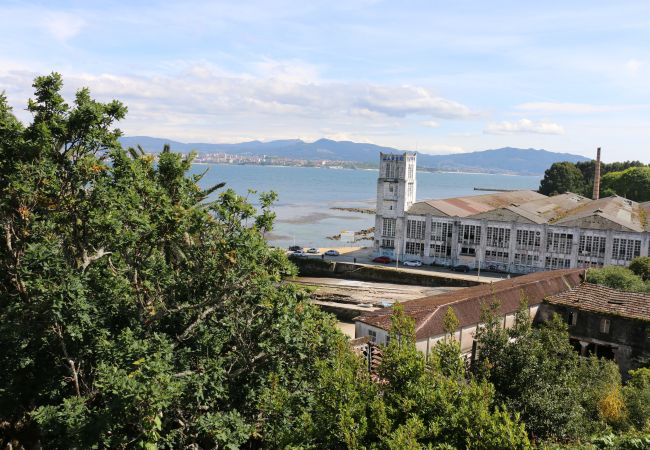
332,253
366,305
299,253
461,268
382,259
413,263
312,250
295,248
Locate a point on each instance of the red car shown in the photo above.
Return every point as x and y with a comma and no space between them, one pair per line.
382,259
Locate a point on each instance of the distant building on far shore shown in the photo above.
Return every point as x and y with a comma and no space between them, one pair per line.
517,232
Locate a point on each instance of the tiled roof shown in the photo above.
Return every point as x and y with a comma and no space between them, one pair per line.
429,312
602,299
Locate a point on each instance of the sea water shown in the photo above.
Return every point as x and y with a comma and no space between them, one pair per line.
307,196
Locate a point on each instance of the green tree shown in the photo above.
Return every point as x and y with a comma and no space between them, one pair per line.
617,277
632,183
562,177
134,310
640,266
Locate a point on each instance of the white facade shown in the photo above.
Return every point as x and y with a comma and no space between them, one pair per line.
505,243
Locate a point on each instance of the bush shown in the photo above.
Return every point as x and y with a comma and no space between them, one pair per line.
617,277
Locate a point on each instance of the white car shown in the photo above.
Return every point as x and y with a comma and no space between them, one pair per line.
312,250
413,263
332,253
299,253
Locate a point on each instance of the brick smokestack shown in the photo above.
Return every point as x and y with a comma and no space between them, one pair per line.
596,193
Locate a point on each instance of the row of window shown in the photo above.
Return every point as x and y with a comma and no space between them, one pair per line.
626,249
592,246
528,239
498,237
415,229
415,248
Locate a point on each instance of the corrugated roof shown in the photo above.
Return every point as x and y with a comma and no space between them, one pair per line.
473,204
602,299
567,209
429,312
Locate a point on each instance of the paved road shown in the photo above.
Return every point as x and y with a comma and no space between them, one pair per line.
363,256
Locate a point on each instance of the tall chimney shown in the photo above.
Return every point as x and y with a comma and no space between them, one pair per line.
596,193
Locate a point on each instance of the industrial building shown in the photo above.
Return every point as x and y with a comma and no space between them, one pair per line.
515,232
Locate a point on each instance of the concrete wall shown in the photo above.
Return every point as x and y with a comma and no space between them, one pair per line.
319,268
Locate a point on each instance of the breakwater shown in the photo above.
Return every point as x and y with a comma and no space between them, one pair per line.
313,267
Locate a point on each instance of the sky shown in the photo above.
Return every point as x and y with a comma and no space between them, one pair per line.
433,76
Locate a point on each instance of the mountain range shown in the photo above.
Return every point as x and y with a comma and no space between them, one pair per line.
505,160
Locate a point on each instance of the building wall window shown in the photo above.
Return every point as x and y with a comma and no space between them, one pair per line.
388,243
470,234
409,191
525,259
415,248
559,242
391,170
440,231
528,239
373,335
592,246
626,249
604,326
411,171
557,263
415,229
496,256
388,228
440,250
498,237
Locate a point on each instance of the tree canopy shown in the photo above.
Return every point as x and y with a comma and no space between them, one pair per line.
562,177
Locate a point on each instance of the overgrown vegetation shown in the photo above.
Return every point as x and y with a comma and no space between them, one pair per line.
630,179
136,313
634,278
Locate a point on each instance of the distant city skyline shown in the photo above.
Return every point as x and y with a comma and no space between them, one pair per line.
437,77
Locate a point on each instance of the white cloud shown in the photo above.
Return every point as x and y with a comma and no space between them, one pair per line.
438,149
633,66
278,98
524,126
564,107
431,124
63,26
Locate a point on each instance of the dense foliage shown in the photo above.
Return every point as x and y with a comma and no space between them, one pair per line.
560,396
138,310
132,312
630,279
629,179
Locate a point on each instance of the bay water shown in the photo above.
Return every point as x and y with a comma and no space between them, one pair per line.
307,196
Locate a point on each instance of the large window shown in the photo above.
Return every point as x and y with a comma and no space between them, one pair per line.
496,256
470,234
440,231
415,248
557,263
559,242
528,239
388,228
411,171
626,249
524,259
498,237
388,243
592,246
439,250
391,170
415,229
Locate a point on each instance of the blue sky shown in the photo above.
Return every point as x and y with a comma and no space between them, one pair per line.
436,76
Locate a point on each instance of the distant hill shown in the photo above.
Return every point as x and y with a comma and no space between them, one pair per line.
503,160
